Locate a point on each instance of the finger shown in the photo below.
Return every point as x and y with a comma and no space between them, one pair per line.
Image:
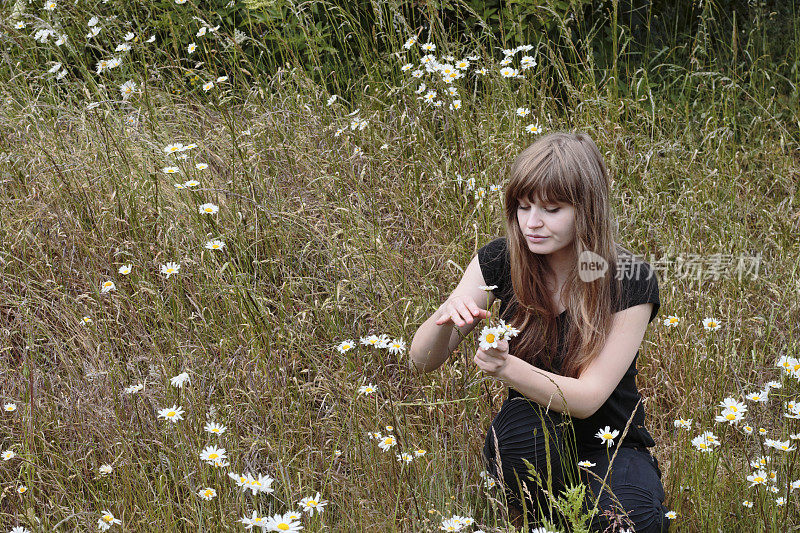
475,310
465,313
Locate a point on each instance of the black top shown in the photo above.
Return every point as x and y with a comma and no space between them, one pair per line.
639,285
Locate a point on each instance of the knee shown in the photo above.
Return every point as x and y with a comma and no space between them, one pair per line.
634,508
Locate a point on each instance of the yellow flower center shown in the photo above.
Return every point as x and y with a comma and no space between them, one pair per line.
312,503
208,210
283,526
703,446
608,436
730,416
171,413
215,430
490,337
108,518
213,456
758,479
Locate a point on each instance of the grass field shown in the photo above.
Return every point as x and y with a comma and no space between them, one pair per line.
338,219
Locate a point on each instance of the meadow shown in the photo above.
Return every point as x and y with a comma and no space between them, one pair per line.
210,274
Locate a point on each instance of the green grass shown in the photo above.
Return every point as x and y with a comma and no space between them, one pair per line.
324,245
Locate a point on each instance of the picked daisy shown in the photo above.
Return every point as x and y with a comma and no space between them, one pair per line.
607,436
173,414
489,337
312,504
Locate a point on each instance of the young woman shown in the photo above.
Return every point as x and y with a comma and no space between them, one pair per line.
581,304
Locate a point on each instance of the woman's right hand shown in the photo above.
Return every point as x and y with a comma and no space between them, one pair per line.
460,310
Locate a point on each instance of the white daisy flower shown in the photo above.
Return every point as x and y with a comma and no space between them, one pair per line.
213,454
533,128
489,337
711,324
312,504
208,209
215,245
387,442
173,414
345,346
9,407
367,389
180,380
107,520
207,493
214,428
108,286
607,436
125,269
397,346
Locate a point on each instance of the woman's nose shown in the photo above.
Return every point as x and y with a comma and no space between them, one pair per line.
534,220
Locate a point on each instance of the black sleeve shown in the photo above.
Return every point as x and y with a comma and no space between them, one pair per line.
493,260
639,286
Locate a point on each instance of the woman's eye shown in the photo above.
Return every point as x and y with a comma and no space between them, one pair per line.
553,210
524,207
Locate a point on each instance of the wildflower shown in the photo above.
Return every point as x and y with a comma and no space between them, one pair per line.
173,147
748,504
794,485
173,414
429,96
782,445
107,520
390,428
170,170
419,452
450,525
255,520
407,67
258,484
105,469
586,464
191,48
429,47
191,183
207,493
383,341
8,455
490,483
533,128
729,404
683,423
208,86
208,209
212,454
506,61
311,504
760,396
772,385
86,320
22,489
489,338
332,99
9,407
405,456
345,346
371,340
509,331
213,427
523,111
179,380
772,475
527,62
127,88
107,286
487,288
729,416
607,436
456,105
151,39
409,43
780,502
671,320
758,477
711,324
367,389
672,515
123,47
397,346
795,436
125,269
508,72
202,31
386,442
762,431
760,461
480,193
705,442
375,435
222,79
133,389
281,522
215,245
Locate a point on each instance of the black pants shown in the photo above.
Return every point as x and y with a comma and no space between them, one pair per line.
523,430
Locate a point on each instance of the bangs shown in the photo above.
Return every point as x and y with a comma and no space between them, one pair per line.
542,183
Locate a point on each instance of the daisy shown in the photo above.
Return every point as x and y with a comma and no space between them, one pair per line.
211,454
345,346
208,209
527,62
495,187
9,407
523,111
672,515
215,245
509,331
151,39
22,489
8,455
170,268
416,73
202,31
133,389
586,464
191,183
208,86
533,128
506,61
222,79
748,504
108,286
456,105
450,525
173,147
429,47
127,88
259,484
730,404
191,48
180,186
407,67
386,442
207,493
170,170
772,385
758,477
508,72
671,320
487,288
172,414
86,320
683,424
780,502
201,166
760,396
730,416
281,522
213,427
409,43
371,340
19,529
107,520
489,337
332,99
607,436
397,346
405,457
180,380
311,504
105,470
254,520
367,389
711,324
419,452
125,269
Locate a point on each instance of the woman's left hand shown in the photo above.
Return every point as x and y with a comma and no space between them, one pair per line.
492,360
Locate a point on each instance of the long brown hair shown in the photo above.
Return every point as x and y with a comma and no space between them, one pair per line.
564,168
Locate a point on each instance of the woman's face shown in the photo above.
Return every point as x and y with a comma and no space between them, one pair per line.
554,222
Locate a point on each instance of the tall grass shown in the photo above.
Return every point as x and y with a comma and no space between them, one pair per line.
329,238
